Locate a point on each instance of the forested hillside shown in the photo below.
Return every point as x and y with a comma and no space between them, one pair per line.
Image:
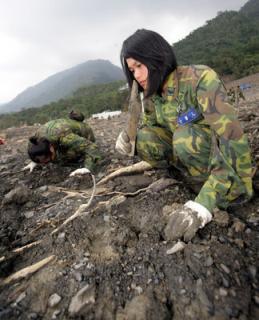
228,43
64,83
89,100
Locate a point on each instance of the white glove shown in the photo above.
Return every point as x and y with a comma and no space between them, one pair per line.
30,166
123,145
185,222
79,172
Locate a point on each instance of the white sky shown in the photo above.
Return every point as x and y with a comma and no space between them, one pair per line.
41,37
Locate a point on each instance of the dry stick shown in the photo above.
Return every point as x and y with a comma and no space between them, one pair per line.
21,249
135,168
80,210
27,271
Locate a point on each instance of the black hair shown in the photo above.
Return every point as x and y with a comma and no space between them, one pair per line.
151,49
76,115
38,147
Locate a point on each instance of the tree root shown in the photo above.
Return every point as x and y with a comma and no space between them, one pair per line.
27,271
80,211
21,249
135,168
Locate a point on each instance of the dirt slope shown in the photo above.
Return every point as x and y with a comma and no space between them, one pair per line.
112,262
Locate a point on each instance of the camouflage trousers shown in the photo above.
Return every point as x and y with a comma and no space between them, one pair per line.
193,150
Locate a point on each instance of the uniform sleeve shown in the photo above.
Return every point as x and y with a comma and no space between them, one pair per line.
149,115
230,167
77,146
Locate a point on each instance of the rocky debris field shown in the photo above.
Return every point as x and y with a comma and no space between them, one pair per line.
112,261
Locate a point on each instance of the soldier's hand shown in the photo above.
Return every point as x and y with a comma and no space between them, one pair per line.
185,221
79,172
30,166
123,145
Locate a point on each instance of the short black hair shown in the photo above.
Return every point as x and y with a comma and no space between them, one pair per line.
76,115
38,147
151,49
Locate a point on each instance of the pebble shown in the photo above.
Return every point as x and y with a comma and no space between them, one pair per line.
106,218
223,292
61,235
238,226
225,282
221,217
252,271
55,314
43,189
84,297
54,299
78,276
208,262
224,268
29,214
179,246
32,316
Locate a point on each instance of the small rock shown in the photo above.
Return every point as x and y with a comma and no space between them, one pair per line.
83,297
179,246
223,292
78,276
208,262
43,189
61,235
256,299
19,195
253,218
225,282
221,217
55,314
252,271
238,226
29,214
106,218
32,316
239,243
54,299
224,268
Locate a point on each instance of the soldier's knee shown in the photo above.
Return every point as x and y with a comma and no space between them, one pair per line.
149,146
181,139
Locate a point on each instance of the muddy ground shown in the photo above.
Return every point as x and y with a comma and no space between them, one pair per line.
113,262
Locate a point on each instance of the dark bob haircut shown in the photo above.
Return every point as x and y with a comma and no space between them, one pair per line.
38,147
151,49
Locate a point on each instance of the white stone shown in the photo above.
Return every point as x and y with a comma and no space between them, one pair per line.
54,299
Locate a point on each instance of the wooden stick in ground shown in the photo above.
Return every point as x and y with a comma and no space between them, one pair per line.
135,168
27,271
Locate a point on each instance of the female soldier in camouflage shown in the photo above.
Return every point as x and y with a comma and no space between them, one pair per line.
190,126
64,141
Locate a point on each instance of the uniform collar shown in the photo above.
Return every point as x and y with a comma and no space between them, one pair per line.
170,88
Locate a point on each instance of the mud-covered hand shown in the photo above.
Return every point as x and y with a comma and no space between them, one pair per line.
30,166
123,145
79,172
186,221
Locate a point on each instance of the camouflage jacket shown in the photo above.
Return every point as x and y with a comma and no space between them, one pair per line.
73,140
199,87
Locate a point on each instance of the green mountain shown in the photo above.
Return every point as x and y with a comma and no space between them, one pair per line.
63,84
228,43
89,100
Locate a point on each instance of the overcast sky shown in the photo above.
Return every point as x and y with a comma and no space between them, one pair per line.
39,38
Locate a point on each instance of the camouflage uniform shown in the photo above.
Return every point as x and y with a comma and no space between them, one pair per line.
210,147
73,140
